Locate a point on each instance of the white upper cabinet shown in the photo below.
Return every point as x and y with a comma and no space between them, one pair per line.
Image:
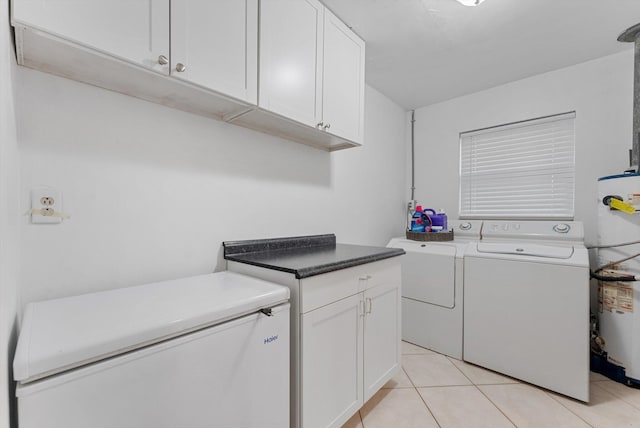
343,80
291,60
289,68
311,67
214,44
134,30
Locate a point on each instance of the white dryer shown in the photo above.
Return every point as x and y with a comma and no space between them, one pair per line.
432,288
526,304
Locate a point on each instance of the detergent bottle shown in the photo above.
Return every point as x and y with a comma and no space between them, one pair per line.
417,220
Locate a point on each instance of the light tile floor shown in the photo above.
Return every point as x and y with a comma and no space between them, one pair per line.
433,390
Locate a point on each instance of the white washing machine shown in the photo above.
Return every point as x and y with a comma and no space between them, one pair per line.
432,288
526,304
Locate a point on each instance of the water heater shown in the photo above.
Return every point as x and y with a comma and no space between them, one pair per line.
618,304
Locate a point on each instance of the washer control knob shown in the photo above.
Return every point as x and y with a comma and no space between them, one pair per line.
465,226
561,228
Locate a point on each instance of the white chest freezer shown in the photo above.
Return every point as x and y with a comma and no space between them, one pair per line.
206,351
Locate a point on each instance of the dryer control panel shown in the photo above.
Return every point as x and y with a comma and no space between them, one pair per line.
548,230
466,229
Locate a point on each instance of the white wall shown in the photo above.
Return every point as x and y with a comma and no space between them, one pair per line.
154,191
8,215
601,93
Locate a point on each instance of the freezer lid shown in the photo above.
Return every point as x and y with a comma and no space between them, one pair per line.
526,249
61,334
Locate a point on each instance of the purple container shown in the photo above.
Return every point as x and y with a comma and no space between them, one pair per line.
438,220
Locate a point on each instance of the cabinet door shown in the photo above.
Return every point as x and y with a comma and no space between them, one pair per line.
134,30
331,362
381,336
217,44
291,33
343,82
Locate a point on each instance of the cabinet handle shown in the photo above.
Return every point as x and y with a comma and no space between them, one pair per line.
163,60
327,126
361,308
370,305
320,125
180,67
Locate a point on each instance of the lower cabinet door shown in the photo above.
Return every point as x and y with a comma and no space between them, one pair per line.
381,337
332,363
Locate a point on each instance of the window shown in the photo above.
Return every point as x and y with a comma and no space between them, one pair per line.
520,170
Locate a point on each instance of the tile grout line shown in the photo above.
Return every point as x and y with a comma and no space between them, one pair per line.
418,392
445,386
427,406
560,402
421,398
485,395
496,406
360,417
457,368
471,384
500,410
620,397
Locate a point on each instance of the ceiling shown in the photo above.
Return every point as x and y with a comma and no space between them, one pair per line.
421,52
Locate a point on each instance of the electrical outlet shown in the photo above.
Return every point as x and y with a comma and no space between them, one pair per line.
45,202
412,205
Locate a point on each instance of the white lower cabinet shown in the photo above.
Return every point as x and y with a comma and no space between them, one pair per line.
331,339
345,338
381,337
350,349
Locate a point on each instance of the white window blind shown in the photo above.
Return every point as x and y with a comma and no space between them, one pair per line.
520,170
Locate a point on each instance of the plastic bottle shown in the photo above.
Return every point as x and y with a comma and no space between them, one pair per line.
417,220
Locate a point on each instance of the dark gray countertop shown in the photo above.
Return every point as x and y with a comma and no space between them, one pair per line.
304,256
